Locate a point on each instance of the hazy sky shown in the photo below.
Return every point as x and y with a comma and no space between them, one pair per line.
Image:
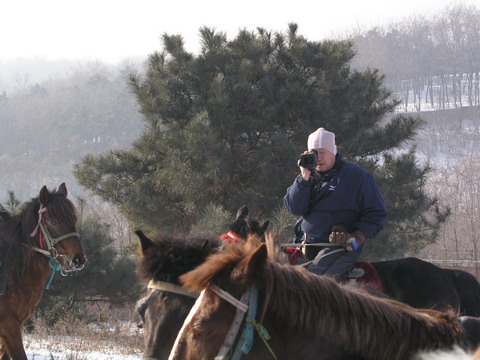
113,30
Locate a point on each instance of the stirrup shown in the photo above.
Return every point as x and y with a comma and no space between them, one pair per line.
355,273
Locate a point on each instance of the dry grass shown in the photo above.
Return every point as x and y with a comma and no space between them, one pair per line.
75,339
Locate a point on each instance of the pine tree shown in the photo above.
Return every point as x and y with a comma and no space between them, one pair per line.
225,128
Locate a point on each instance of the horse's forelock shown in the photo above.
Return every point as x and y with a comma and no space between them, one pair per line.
61,208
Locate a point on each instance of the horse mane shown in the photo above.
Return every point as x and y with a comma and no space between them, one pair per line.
317,305
15,231
172,256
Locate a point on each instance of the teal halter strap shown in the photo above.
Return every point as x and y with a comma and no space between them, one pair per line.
56,266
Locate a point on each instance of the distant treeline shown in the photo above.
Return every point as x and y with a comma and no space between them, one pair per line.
430,63
48,126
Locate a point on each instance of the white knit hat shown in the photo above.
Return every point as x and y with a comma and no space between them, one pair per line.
322,139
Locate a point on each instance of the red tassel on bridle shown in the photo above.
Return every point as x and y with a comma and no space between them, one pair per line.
231,237
34,232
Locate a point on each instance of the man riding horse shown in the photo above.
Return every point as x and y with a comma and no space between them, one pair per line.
339,203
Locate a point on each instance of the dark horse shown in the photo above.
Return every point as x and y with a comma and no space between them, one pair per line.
164,308
298,315
422,284
41,238
243,226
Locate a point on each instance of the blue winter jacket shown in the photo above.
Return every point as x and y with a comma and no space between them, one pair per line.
352,199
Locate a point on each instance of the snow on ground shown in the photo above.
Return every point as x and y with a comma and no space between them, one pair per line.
76,348
44,354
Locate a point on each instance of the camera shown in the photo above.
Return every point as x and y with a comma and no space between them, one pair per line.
308,160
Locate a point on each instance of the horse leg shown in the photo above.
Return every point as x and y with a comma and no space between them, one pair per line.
14,344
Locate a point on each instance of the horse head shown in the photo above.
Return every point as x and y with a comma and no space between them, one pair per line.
236,268
55,234
244,226
163,309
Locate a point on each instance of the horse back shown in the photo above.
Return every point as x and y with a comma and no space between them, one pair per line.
418,283
468,289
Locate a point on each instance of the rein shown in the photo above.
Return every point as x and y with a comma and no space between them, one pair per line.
305,264
171,288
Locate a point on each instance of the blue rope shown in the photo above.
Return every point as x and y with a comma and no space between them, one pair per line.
55,265
245,342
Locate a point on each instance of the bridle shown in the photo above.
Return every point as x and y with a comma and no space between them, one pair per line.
50,241
51,252
231,237
170,288
247,305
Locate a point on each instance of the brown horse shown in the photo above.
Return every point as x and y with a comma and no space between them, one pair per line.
42,238
300,315
166,305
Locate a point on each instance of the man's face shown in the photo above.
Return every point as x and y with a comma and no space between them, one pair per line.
325,160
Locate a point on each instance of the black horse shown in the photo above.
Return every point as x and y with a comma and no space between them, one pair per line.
243,226
422,284
163,309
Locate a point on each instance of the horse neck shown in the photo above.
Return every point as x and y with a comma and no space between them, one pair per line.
361,324
26,265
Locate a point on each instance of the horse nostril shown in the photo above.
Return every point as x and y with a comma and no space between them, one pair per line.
76,260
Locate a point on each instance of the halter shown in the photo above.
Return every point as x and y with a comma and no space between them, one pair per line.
247,304
51,242
171,288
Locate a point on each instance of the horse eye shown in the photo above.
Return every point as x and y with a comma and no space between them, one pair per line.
53,222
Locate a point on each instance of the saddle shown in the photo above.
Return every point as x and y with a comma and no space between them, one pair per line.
362,273
365,274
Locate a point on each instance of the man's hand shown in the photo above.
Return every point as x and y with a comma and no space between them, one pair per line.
340,236
306,173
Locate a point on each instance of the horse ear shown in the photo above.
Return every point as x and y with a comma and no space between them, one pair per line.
256,262
265,226
242,213
62,189
145,242
44,196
